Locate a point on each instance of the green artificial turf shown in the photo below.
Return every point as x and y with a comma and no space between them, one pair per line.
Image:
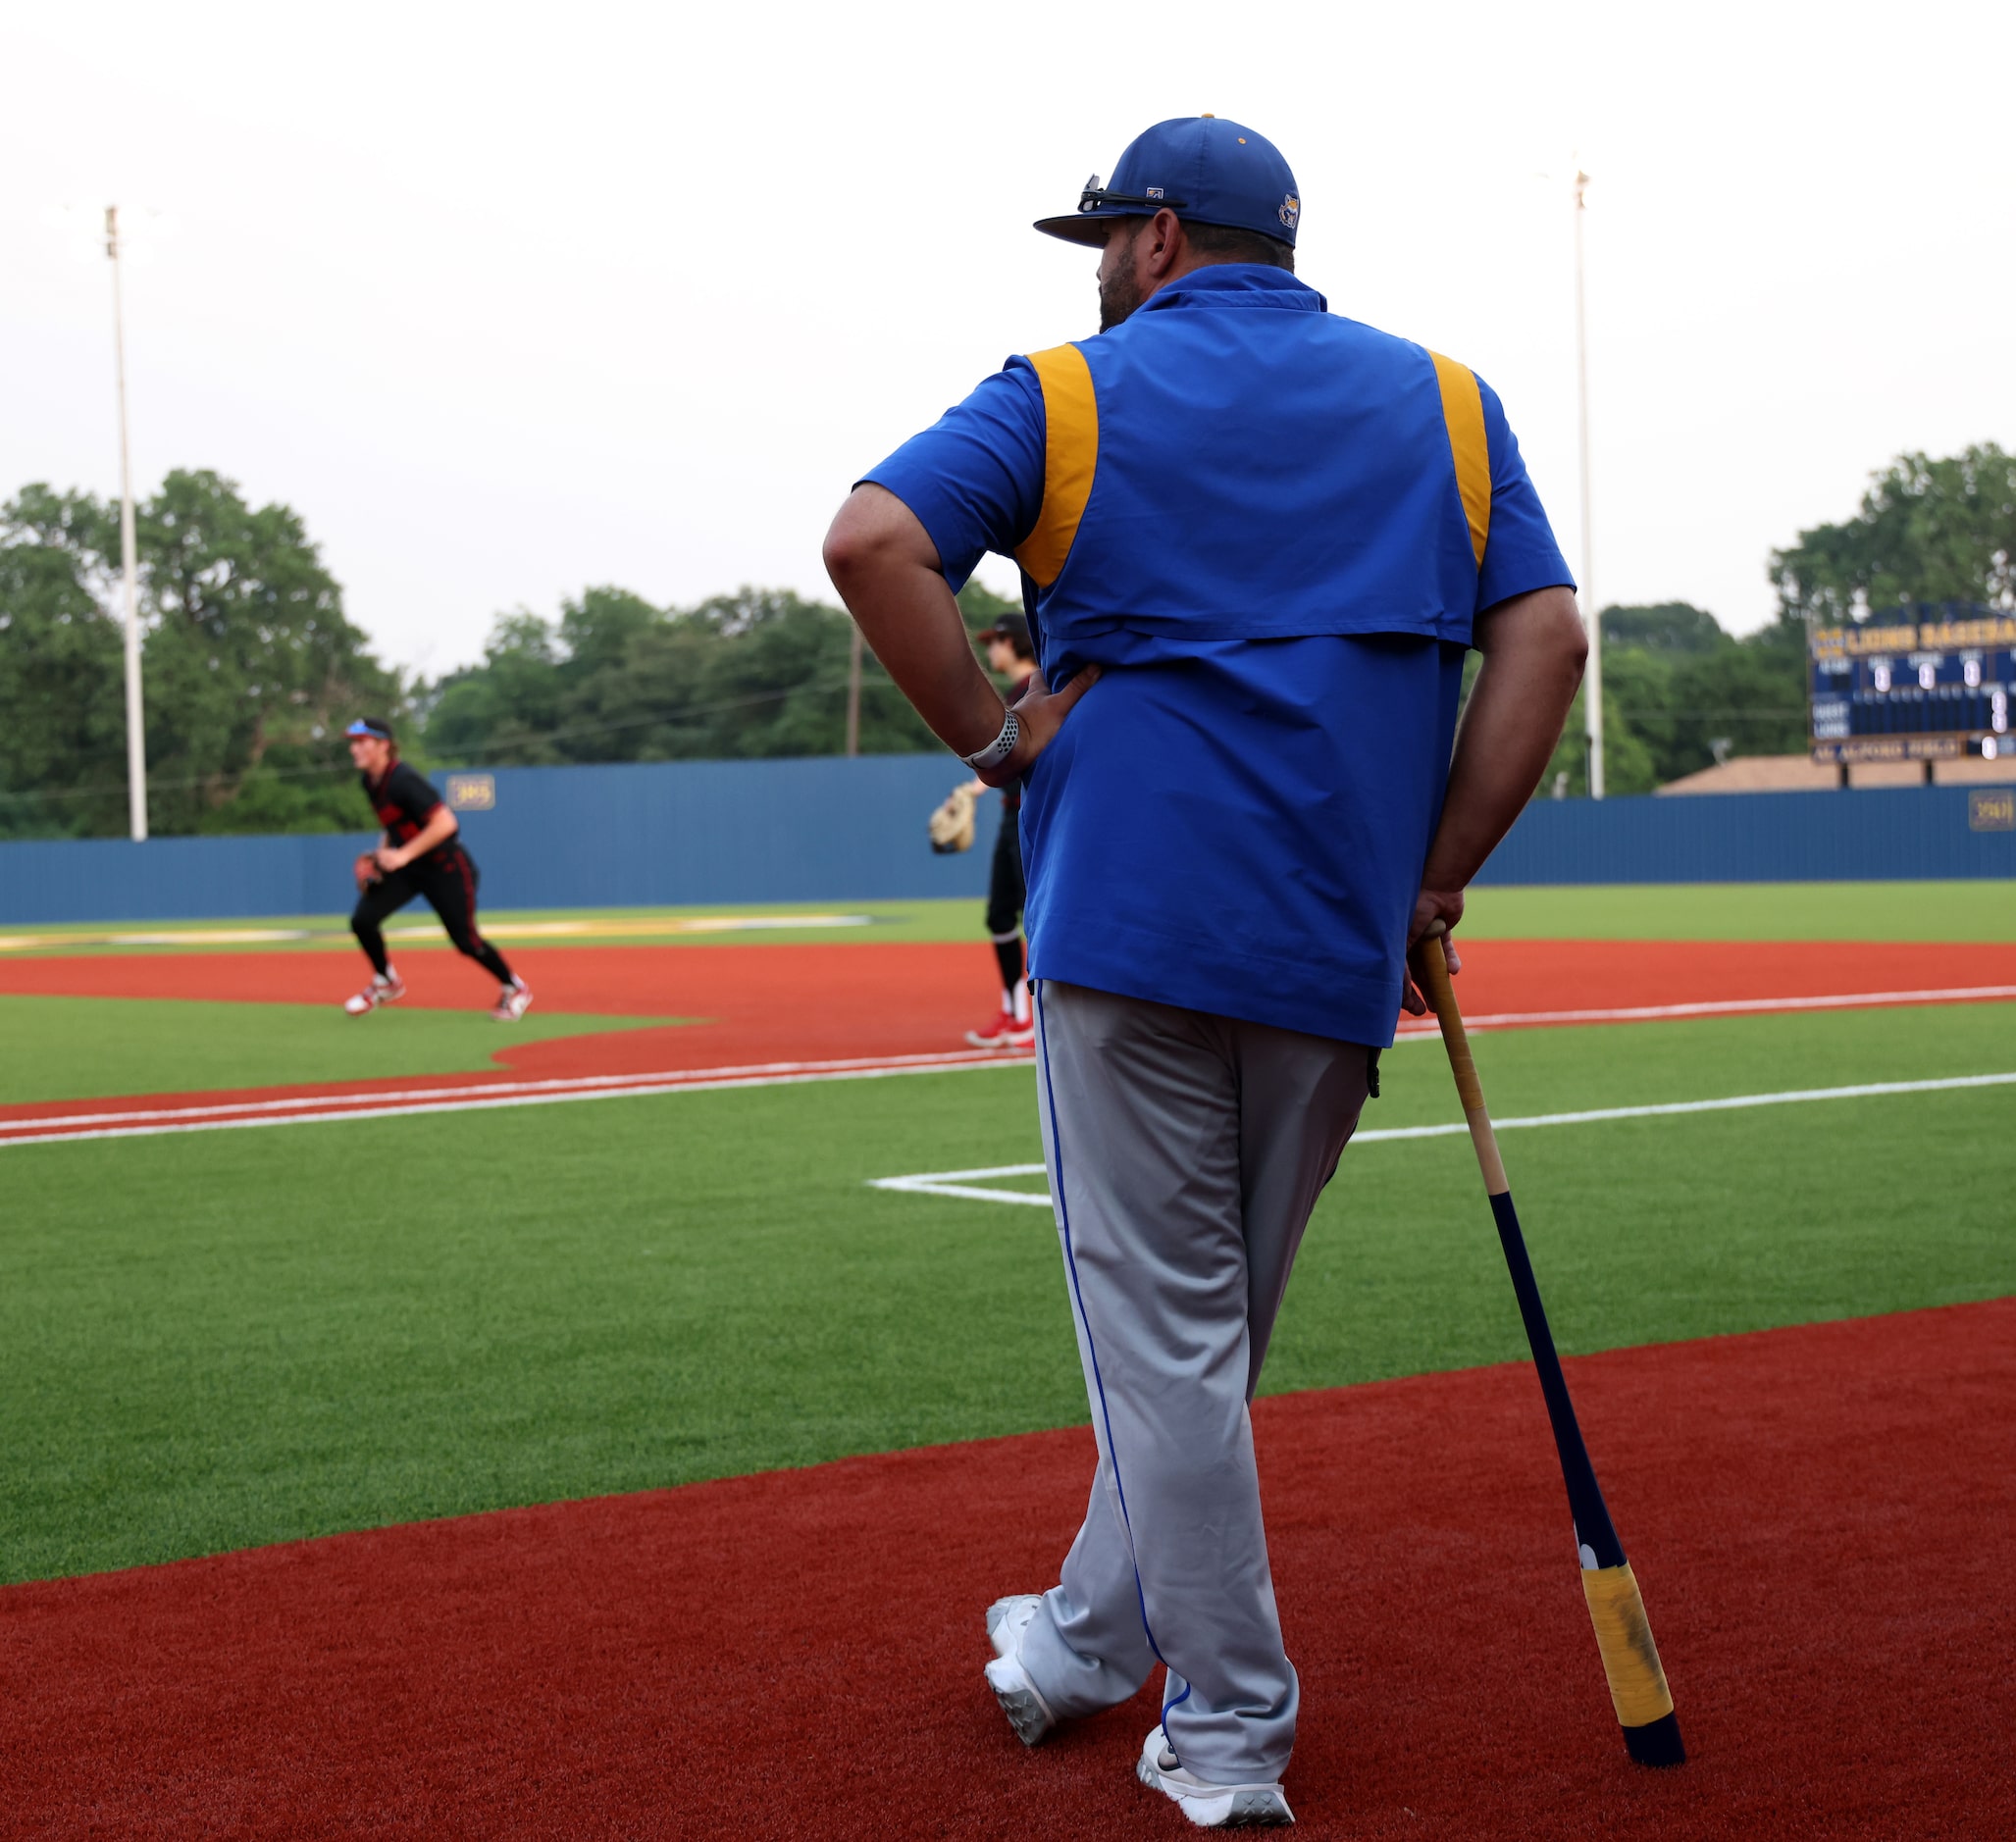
893,922
81,1048
1678,911
1983,911
222,1339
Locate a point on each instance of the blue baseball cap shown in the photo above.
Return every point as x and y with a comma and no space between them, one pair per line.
369,726
1203,170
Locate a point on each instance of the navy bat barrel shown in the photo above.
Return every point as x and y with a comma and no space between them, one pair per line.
1595,1532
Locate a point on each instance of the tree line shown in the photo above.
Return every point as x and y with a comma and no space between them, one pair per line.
1680,694
249,663
760,671
252,667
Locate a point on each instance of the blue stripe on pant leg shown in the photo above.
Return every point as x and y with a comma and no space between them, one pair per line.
1063,1216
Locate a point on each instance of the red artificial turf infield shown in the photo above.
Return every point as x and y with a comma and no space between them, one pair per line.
1822,1519
812,1003
824,995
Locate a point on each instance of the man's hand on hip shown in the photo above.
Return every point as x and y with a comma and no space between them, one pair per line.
1040,713
887,569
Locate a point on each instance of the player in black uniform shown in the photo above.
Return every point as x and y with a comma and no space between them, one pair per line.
1012,656
420,853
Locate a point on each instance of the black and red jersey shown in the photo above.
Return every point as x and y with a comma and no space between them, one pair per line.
404,801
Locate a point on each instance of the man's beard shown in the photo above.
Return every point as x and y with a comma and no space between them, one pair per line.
1118,295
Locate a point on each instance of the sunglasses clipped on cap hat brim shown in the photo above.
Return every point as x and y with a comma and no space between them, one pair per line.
1098,208
362,728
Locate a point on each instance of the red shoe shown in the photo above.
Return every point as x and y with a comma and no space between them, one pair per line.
1004,1032
513,1001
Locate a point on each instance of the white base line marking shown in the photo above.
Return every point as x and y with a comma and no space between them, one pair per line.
557,1084
952,1182
314,1109
320,1109
1721,1007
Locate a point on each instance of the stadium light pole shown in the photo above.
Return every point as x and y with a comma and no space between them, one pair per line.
1592,682
854,691
136,733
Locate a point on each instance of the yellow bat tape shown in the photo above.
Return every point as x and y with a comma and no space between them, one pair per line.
1630,1659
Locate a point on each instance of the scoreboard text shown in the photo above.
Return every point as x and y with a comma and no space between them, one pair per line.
1913,690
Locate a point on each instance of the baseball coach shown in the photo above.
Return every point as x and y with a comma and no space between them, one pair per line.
1256,541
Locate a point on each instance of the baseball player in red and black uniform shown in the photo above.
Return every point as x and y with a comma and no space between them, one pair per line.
1012,656
420,853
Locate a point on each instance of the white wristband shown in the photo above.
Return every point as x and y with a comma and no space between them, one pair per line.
999,749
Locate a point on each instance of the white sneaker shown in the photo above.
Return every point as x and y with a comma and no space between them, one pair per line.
1210,1805
380,990
1020,1700
1007,1618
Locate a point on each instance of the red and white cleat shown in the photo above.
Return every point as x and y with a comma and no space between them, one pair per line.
513,1001
380,990
1004,1032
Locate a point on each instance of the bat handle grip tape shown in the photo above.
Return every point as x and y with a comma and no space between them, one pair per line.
1624,1637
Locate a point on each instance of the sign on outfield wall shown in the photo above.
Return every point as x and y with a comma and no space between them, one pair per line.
472,792
1991,809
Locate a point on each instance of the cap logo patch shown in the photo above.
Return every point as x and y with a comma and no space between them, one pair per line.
1291,209
1151,191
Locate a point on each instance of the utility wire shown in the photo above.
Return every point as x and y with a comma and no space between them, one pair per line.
681,718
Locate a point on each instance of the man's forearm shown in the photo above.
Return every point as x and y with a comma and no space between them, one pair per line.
888,575
1534,648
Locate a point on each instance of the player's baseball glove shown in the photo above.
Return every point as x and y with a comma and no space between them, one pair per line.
366,870
951,825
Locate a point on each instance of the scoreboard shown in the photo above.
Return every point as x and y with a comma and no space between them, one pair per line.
1913,690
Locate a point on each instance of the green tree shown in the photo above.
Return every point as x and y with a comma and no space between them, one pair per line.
504,710
1663,627
1628,763
1680,694
1688,693
762,672
251,667
1928,531
248,664
982,607
62,696
1746,697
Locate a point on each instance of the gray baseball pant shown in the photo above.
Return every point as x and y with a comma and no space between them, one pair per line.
1186,1152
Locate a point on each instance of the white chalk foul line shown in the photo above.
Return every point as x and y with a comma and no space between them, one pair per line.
1734,1102
303,1110
317,1108
957,1183
1721,1008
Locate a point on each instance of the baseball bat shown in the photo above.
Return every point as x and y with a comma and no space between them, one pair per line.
1630,1659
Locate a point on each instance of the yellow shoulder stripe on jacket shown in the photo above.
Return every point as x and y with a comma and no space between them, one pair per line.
1463,409
1070,456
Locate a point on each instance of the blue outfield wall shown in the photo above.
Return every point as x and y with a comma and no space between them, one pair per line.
171,878
696,831
1863,834
629,836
